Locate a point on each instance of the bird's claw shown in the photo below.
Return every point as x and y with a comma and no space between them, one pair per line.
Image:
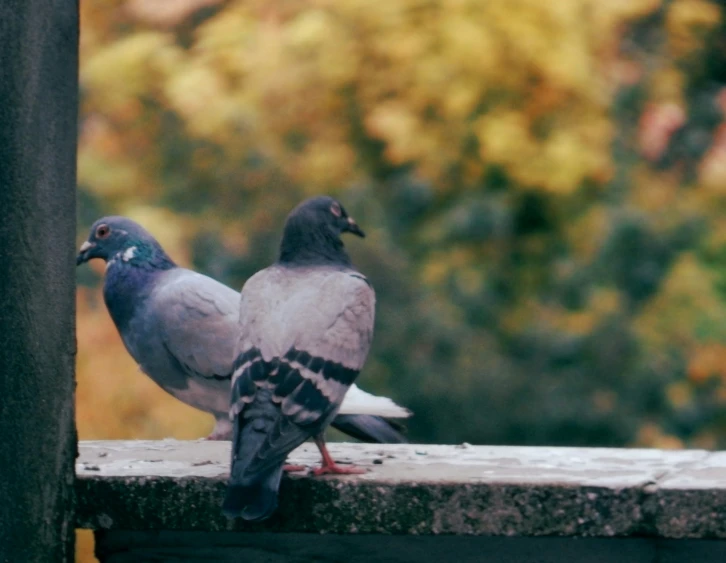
335,469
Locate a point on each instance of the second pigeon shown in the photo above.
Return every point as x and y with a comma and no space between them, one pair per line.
306,325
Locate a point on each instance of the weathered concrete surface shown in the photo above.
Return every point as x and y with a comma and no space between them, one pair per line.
38,126
692,502
416,489
228,547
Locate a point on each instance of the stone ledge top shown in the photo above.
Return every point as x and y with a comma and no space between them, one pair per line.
416,489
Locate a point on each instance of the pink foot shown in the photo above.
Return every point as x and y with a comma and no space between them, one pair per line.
335,469
292,468
222,430
329,466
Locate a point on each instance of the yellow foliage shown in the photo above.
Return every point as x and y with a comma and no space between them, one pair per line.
652,436
602,303
435,271
717,237
610,14
686,23
606,301
425,75
588,232
107,177
686,305
706,361
394,122
121,72
712,169
456,260
470,280
666,86
653,192
198,94
419,71
679,394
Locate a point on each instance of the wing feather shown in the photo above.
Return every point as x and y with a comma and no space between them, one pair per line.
197,318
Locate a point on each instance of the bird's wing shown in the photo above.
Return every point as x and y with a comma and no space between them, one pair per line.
196,318
305,336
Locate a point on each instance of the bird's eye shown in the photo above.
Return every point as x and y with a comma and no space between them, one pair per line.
335,209
103,231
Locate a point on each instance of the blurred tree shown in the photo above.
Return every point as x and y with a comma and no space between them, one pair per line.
542,184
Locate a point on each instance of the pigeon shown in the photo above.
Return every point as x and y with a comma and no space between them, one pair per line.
306,325
181,327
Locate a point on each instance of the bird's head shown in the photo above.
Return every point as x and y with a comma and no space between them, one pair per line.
312,232
112,237
325,212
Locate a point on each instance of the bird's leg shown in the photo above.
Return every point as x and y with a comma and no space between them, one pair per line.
329,465
218,436
222,428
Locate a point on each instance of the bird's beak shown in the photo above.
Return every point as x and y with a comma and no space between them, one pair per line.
352,227
84,253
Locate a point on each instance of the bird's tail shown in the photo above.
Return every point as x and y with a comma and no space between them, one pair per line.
251,495
255,501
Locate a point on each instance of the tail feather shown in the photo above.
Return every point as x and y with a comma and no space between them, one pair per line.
252,494
371,429
357,401
254,501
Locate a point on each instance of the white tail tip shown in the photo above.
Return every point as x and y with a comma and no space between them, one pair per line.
357,401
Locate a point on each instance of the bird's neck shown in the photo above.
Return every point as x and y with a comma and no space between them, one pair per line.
130,278
143,255
302,246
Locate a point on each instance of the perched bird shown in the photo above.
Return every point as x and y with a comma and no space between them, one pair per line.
306,325
182,327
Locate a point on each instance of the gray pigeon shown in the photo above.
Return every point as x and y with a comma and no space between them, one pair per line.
182,328
306,326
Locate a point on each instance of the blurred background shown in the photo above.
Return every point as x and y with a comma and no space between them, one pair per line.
543,185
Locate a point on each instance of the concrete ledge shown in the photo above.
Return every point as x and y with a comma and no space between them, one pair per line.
415,490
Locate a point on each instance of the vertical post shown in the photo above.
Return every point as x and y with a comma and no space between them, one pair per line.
38,124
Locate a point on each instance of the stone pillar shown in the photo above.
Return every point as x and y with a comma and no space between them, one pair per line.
38,132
